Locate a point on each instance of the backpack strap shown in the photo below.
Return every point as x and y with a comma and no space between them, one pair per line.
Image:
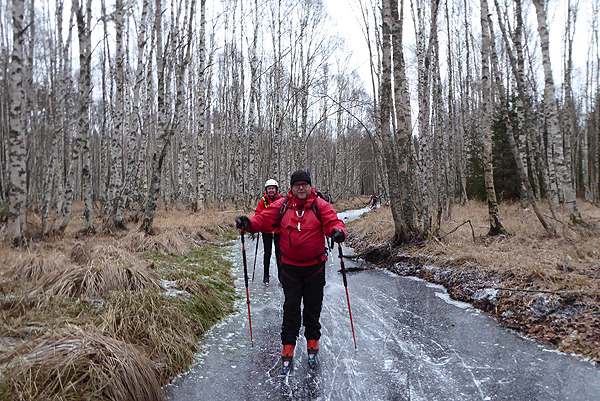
284,206
315,208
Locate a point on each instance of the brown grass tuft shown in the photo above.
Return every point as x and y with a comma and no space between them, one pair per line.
165,242
156,324
108,269
73,364
30,266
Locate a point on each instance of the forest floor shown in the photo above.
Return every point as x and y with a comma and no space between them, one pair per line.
122,313
547,289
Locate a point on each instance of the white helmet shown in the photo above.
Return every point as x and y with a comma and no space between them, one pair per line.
271,183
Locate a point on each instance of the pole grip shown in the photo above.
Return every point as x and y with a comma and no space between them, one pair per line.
342,263
244,258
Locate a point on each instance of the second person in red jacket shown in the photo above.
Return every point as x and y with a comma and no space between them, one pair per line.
271,195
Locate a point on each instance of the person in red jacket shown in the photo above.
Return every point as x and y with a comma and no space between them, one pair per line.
303,220
271,195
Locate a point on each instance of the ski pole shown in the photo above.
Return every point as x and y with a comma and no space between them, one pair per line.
346,286
246,280
255,253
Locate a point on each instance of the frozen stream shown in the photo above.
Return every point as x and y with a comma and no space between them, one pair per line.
413,343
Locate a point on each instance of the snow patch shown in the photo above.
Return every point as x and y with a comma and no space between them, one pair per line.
446,298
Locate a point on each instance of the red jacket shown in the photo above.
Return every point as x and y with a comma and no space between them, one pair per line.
265,202
302,240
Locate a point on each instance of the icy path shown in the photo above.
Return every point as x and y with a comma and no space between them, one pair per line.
414,343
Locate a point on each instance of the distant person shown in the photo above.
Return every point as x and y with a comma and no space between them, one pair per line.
303,220
271,195
374,200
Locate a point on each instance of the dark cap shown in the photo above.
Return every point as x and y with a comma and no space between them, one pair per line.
300,175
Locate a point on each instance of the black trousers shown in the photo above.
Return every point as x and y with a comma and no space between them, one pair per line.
302,284
268,239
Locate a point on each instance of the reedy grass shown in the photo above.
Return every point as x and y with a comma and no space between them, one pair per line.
103,295
75,364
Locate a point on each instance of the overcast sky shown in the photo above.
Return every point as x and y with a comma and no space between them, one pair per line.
345,13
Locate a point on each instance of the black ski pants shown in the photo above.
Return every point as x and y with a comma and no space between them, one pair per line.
268,239
302,284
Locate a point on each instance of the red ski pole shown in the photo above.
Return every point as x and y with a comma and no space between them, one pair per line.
246,280
255,253
346,286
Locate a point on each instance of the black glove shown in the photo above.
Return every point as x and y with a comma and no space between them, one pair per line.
338,235
242,222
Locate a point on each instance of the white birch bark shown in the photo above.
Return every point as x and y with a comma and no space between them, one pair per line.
486,124
497,78
17,196
403,233
403,134
563,175
83,123
116,148
73,160
163,140
200,151
517,64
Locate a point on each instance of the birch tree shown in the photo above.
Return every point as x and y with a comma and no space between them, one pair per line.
83,123
200,153
136,124
164,138
486,124
497,78
551,112
403,135
392,25
17,194
116,149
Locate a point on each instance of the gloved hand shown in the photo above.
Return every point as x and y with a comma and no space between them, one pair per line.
242,222
338,235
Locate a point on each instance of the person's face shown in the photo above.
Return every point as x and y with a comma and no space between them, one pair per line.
301,189
271,190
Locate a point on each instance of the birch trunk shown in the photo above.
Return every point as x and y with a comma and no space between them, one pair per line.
517,64
17,196
403,136
253,104
73,161
51,173
163,141
486,124
511,139
85,92
277,171
563,175
402,232
135,125
135,169
200,154
423,118
116,148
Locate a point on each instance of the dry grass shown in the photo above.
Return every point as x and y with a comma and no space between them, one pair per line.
526,250
75,364
524,259
95,273
156,324
82,317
